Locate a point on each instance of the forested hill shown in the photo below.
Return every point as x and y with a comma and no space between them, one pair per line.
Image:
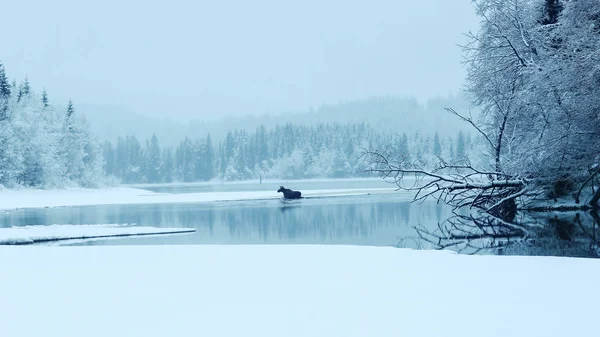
47,146
286,151
389,113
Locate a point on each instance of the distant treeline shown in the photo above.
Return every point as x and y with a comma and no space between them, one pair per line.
286,152
46,147
385,114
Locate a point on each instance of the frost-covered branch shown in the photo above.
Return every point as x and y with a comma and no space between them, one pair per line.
456,185
472,123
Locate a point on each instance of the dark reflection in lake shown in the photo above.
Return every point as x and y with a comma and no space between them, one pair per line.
574,234
379,220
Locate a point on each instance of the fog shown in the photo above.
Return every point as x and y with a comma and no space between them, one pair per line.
185,60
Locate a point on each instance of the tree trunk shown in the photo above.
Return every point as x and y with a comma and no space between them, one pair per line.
595,198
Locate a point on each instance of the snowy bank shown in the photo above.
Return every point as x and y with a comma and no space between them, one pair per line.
291,291
29,198
38,234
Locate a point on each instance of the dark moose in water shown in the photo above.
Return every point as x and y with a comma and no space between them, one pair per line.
289,194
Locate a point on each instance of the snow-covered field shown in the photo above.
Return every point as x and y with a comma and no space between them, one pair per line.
37,234
291,291
29,198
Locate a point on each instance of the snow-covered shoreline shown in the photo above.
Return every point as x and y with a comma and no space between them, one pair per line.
26,235
291,291
31,198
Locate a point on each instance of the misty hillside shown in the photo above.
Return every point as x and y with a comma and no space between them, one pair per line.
384,113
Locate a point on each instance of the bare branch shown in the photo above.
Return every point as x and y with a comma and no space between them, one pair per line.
470,121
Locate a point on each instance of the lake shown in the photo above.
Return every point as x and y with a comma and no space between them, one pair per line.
377,220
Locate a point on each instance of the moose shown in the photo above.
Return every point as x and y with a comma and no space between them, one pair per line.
289,194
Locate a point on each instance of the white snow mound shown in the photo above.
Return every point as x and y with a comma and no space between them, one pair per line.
37,234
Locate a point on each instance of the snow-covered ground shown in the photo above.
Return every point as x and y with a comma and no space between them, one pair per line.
291,291
30,198
36,234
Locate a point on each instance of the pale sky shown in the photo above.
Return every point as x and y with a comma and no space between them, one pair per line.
197,59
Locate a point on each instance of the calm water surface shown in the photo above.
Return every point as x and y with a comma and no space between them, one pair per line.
379,220
373,220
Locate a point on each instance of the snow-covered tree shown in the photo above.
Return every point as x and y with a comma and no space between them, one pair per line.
542,108
154,160
5,92
532,70
167,168
45,100
69,120
4,84
37,148
437,145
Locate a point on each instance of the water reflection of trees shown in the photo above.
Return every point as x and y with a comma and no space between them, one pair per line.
357,220
317,221
574,234
378,222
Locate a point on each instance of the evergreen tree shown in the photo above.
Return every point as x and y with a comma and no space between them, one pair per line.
20,94
4,93
120,158
168,167
69,119
199,160
461,146
134,160
185,160
437,146
405,149
45,98
262,152
4,85
26,88
92,157
222,161
209,158
153,161
109,158
227,152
